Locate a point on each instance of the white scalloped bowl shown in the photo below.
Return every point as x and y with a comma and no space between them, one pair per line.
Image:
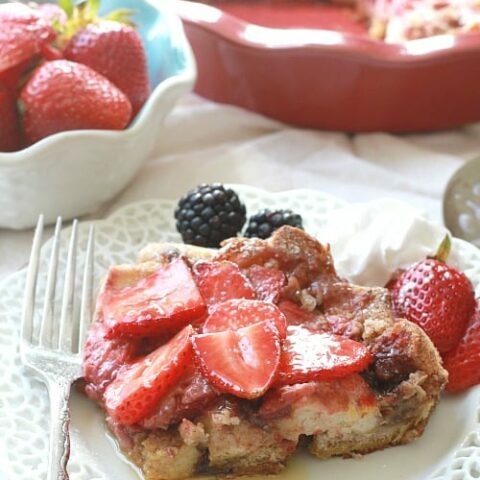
73,173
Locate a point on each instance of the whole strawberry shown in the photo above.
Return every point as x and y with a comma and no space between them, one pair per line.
116,51
23,33
463,363
437,297
63,95
10,138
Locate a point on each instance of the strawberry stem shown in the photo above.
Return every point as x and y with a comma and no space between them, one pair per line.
67,6
85,13
121,15
93,7
443,250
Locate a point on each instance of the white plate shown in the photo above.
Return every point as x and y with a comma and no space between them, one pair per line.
365,249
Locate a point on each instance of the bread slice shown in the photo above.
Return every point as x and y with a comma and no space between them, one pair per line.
387,405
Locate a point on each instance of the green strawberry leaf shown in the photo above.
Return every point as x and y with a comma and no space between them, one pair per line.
121,15
67,6
443,250
80,14
92,7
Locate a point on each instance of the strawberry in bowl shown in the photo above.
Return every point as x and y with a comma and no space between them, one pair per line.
62,95
116,51
57,148
113,67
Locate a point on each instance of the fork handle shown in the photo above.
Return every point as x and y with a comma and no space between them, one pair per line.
59,392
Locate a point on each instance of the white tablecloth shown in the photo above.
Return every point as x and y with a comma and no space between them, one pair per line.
206,142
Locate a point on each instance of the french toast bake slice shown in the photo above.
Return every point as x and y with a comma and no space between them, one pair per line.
196,430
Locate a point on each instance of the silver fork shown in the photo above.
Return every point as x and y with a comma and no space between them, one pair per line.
53,347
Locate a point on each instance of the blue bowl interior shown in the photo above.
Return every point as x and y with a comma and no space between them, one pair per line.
161,33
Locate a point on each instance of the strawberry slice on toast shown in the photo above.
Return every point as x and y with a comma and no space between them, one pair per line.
137,390
221,281
162,303
309,356
243,362
239,313
267,282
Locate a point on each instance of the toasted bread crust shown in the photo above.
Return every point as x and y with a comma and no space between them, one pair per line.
405,380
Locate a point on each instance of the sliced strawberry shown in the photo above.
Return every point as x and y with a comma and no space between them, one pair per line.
267,282
239,313
160,304
220,281
295,315
103,360
308,356
137,390
189,398
463,362
242,362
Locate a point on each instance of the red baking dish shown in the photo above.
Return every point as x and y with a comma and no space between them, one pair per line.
314,66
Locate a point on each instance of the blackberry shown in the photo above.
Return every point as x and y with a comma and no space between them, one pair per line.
265,222
209,214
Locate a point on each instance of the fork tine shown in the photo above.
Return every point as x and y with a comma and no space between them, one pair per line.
31,283
46,332
66,318
87,290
